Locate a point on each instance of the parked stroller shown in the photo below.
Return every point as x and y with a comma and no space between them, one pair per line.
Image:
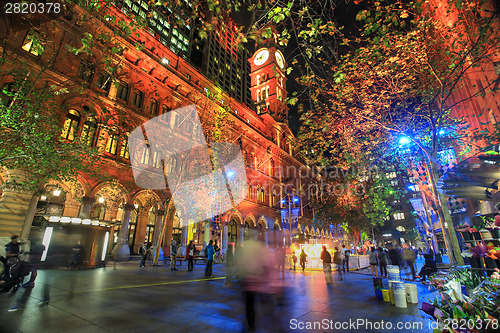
14,273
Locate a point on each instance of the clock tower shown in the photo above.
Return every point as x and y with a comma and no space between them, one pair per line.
268,83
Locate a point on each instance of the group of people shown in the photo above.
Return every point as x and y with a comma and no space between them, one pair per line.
340,259
210,252
380,258
16,269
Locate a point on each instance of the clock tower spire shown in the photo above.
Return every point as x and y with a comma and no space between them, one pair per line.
268,83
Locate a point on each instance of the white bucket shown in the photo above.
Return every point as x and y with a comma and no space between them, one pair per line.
400,298
393,273
411,293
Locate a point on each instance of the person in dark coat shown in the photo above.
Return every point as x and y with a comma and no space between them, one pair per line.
35,259
190,255
303,259
395,255
428,268
15,270
327,265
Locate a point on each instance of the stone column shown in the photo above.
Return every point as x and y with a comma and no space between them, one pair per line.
86,207
241,234
14,204
225,241
140,228
121,250
206,234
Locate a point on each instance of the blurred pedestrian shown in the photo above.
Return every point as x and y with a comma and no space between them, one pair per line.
382,261
173,255
327,265
372,256
255,268
210,259
35,260
303,259
280,255
337,259
294,260
229,266
190,255
395,255
77,251
410,256
143,251
345,259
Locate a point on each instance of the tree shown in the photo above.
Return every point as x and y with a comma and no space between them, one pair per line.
357,199
401,77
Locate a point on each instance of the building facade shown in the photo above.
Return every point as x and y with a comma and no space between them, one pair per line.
152,80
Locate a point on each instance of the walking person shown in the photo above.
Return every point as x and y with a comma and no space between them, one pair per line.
35,259
345,259
327,265
210,259
294,260
143,251
409,256
190,255
337,259
173,255
382,261
229,266
372,256
303,259
77,255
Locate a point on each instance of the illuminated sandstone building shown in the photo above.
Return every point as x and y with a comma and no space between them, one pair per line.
150,81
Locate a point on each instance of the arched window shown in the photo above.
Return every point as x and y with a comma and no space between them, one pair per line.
137,98
257,93
89,132
258,80
124,152
250,191
70,125
86,70
262,196
263,94
112,143
267,91
164,109
154,107
274,198
122,92
104,81
145,156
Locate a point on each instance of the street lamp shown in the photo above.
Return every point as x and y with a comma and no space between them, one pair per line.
289,200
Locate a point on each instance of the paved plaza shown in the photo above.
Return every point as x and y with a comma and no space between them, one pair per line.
156,299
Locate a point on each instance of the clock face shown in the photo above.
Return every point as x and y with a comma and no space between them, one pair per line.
261,57
279,59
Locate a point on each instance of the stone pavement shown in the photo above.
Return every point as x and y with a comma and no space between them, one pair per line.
156,299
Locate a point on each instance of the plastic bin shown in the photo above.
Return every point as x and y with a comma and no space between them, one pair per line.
411,293
386,295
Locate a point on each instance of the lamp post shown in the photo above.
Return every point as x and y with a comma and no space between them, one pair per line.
289,200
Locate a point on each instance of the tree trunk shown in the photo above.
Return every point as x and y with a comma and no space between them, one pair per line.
159,241
447,226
